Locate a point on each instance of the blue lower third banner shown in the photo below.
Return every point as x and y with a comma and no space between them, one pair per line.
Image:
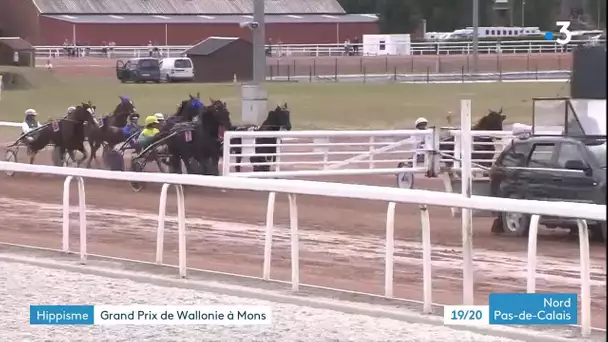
533,308
149,314
62,314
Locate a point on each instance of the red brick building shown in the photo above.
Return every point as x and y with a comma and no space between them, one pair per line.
177,22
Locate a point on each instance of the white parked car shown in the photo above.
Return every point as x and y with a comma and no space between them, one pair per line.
177,69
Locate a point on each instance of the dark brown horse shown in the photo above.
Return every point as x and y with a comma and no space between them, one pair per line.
109,128
277,120
66,134
482,147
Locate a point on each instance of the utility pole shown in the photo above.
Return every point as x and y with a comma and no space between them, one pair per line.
523,12
475,36
253,95
259,43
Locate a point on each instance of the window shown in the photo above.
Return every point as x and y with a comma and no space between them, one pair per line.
568,151
183,63
541,156
487,32
382,45
148,63
493,32
515,155
599,151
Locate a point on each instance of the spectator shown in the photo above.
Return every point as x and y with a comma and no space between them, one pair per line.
150,48
347,47
356,43
269,48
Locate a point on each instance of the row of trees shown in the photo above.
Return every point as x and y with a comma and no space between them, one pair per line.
403,16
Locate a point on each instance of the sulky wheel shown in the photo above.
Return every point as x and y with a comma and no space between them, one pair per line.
137,166
10,156
405,180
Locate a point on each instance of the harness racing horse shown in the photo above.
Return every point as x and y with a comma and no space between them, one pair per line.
483,148
277,120
200,140
109,130
67,134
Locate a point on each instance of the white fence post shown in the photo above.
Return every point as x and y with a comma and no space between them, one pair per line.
181,226
82,216
268,235
295,243
583,238
226,156
389,256
532,245
427,276
466,217
371,150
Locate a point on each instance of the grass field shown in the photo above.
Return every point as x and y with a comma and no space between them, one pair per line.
313,105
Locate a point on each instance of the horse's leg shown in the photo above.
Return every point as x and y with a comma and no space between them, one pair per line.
84,157
94,145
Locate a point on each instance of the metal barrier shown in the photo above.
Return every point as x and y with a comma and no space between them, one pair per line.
318,50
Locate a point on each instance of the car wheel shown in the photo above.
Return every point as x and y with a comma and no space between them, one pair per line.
515,224
168,78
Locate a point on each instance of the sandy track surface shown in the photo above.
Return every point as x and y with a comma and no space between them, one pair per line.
290,322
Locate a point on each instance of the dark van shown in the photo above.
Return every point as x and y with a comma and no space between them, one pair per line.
138,70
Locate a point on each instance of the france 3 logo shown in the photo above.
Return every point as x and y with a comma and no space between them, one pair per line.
564,37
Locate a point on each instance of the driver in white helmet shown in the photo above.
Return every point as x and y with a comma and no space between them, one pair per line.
421,123
160,117
30,123
70,110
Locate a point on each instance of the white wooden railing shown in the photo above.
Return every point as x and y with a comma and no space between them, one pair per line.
293,188
416,48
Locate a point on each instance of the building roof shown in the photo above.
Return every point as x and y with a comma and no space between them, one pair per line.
211,19
185,6
16,43
210,45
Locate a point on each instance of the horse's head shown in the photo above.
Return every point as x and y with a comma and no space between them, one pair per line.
491,122
279,118
84,113
221,115
123,110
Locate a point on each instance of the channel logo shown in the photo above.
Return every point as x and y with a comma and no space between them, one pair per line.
565,35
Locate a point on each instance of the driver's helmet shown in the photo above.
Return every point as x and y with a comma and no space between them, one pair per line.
160,117
30,113
71,109
421,123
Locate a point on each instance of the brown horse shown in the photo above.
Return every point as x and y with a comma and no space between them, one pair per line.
67,134
109,128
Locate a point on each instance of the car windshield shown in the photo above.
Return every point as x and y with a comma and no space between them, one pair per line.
599,151
148,64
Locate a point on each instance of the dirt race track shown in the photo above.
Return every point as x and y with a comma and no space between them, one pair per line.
341,239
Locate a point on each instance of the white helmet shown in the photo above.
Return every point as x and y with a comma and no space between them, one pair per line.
420,121
71,109
160,116
31,112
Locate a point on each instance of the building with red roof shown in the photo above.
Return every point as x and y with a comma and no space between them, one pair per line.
177,22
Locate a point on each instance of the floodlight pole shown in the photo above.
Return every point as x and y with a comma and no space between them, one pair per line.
253,95
259,42
475,36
